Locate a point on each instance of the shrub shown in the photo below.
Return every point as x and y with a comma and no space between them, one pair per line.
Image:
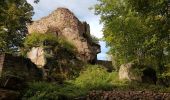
46,40
93,77
58,52
39,39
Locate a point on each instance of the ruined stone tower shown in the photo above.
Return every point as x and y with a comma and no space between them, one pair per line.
62,22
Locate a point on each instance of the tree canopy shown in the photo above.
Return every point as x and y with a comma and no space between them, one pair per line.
136,30
14,16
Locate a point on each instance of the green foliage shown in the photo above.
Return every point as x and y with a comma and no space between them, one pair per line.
60,66
121,30
136,30
149,7
93,77
50,91
14,14
45,40
38,39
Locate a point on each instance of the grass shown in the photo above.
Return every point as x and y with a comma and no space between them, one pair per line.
91,78
51,91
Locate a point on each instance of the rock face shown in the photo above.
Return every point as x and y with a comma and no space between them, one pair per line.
136,72
62,22
37,56
126,72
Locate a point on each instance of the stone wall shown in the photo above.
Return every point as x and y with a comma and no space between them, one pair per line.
62,22
126,95
15,70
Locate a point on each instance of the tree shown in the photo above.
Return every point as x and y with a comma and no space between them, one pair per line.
136,30
14,16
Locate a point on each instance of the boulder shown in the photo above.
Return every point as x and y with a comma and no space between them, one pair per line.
128,72
63,23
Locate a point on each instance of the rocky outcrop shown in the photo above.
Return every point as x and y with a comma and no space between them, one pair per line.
63,22
128,72
137,72
37,56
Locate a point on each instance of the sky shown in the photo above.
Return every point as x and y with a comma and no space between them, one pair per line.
81,10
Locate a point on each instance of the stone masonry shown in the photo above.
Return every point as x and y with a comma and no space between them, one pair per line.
62,22
126,95
14,69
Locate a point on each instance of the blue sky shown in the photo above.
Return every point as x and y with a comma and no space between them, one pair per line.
80,8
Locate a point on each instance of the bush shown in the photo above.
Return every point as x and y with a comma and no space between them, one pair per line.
59,53
39,39
47,40
94,77
91,78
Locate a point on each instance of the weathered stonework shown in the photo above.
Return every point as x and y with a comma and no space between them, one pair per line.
37,56
62,22
126,95
15,70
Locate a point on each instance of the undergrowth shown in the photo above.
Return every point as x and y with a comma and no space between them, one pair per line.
93,77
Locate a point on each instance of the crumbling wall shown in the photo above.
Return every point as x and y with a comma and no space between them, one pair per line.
15,70
63,22
126,95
